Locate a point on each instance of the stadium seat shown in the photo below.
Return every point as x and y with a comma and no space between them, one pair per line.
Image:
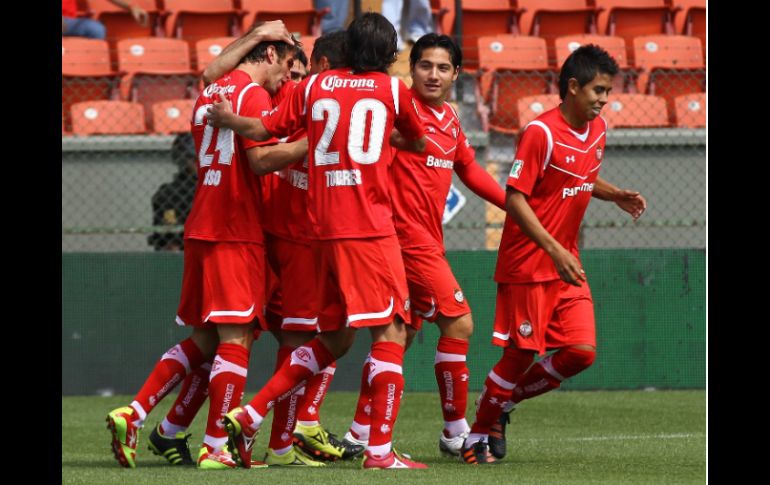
631,18
299,16
443,15
156,70
308,41
691,110
530,107
690,19
207,49
119,22
194,20
86,73
615,46
107,118
669,66
512,66
484,18
550,19
172,116
635,111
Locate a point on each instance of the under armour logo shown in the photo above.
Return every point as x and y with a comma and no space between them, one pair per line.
570,159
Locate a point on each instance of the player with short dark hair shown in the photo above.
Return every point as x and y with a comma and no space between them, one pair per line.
349,114
543,298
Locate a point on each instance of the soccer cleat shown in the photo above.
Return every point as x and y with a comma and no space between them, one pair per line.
221,460
238,441
125,436
217,460
294,458
478,454
497,445
350,450
314,441
451,446
392,460
175,450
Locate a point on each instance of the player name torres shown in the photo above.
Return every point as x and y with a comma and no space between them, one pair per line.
341,178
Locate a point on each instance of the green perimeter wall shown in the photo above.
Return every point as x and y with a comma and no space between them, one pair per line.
118,319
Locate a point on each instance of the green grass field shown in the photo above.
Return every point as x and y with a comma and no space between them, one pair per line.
612,437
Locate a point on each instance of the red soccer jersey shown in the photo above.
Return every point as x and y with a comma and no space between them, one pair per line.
284,192
349,118
226,203
420,181
556,167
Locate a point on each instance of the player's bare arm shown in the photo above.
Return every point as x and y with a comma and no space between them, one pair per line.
630,201
263,160
232,55
568,266
221,115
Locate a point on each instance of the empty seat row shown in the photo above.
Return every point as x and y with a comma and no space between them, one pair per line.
193,20
554,18
125,117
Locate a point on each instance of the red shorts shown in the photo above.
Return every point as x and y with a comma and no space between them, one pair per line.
362,282
542,316
294,296
433,289
222,282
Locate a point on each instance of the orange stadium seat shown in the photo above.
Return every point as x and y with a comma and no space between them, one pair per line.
669,66
86,73
443,15
308,41
172,116
107,118
207,49
119,22
550,19
635,111
690,19
194,20
530,107
299,15
512,66
631,18
156,70
691,110
615,46
484,18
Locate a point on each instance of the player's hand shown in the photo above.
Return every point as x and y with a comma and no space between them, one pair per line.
632,202
569,267
219,113
272,30
140,15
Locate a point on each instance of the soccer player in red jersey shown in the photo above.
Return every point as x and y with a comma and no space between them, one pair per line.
349,115
291,288
223,282
419,187
543,298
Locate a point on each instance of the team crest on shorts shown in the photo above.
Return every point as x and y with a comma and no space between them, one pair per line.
525,328
459,295
599,153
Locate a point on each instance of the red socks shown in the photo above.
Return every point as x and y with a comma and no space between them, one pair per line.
452,377
386,382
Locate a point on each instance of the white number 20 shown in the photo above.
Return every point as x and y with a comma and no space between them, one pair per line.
355,133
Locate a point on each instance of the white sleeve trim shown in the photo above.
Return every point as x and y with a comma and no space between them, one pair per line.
240,97
394,90
550,140
307,92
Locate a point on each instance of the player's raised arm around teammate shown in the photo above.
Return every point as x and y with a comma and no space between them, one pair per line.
232,54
